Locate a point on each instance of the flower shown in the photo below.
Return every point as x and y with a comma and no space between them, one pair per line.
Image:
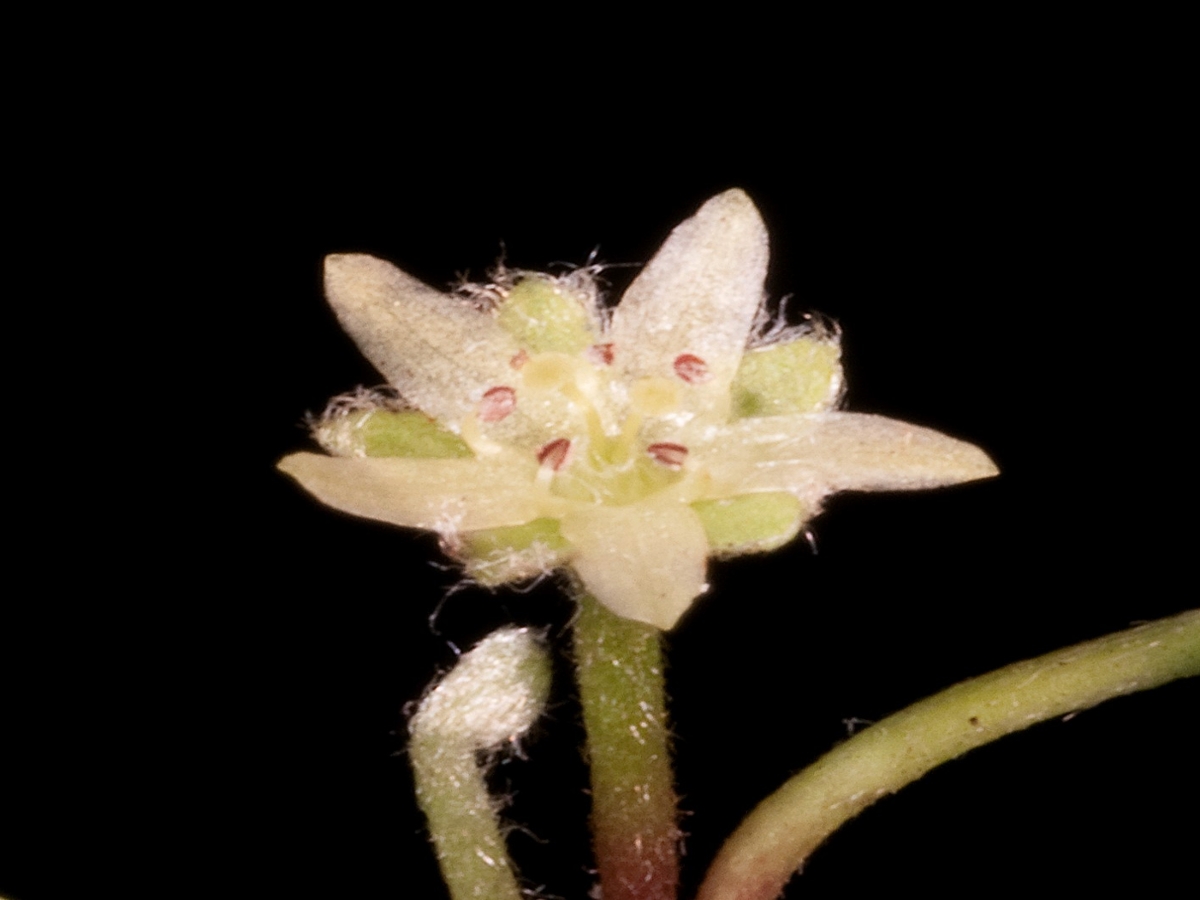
534,428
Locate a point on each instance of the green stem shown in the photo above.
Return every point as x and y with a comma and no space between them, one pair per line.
463,824
486,702
776,838
619,667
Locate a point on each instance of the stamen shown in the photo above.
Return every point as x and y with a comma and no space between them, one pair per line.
691,368
554,454
670,455
600,354
497,403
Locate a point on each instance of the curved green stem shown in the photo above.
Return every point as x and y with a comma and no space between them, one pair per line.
619,667
488,700
775,839
463,823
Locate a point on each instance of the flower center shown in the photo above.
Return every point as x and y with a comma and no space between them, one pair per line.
597,450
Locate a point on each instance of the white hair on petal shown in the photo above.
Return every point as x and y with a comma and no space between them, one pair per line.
773,328
329,428
585,283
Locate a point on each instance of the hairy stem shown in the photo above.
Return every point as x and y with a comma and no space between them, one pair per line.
463,824
487,701
775,839
619,667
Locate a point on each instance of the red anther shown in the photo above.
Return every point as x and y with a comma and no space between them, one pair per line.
670,455
554,454
601,354
497,403
519,360
691,368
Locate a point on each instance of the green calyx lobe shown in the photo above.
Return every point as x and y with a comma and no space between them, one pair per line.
385,432
750,523
496,556
802,375
544,316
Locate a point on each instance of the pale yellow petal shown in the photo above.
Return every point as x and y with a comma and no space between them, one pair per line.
819,454
697,297
444,495
645,561
438,351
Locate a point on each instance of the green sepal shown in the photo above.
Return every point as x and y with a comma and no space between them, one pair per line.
802,375
544,316
496,556
385,432
750,523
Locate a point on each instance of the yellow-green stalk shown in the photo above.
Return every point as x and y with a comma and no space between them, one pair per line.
777,837
484,704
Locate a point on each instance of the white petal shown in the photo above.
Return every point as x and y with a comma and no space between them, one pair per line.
697,296
442,495
645,561
439,352
819,454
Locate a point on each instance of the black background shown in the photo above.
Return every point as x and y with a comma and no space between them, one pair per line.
989,248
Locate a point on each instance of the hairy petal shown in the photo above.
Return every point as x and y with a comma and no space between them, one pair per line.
697,297
645,561
439,352
444,495
819,454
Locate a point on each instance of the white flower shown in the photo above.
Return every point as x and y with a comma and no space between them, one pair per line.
536,430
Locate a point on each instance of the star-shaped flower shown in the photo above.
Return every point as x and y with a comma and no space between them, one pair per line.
536,429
